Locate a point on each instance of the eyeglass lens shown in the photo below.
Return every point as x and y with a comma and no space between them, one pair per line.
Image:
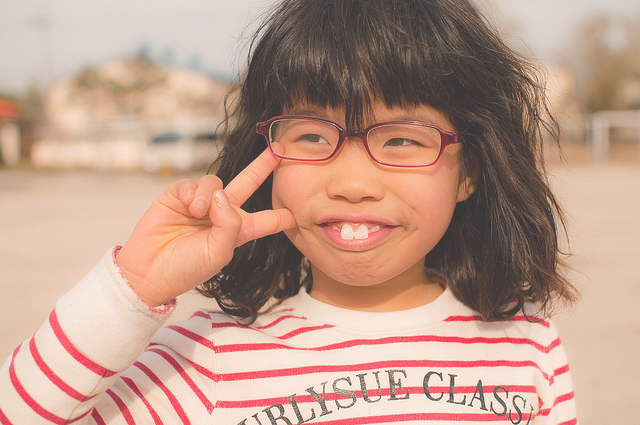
395,144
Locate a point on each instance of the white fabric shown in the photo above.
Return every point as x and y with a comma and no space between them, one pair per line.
303,361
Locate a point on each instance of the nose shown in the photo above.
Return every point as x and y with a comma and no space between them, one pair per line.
354,175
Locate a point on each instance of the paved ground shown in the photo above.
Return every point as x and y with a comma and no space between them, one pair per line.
55,226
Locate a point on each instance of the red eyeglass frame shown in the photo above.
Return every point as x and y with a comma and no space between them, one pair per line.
446,137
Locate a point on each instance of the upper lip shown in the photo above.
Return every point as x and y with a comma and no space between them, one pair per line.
357,219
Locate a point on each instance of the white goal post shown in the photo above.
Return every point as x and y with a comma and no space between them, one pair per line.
601,124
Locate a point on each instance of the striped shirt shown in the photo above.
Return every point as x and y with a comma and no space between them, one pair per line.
103,358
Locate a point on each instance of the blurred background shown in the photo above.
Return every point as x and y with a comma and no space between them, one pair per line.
104,104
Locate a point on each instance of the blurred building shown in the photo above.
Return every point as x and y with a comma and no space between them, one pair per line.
130,115
9,133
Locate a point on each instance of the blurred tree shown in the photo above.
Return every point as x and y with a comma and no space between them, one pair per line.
143,51
632,27
195,63
125,90
605,60
168,56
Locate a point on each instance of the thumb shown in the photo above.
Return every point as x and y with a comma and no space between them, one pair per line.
226,223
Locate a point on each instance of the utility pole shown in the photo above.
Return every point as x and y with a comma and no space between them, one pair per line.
42,23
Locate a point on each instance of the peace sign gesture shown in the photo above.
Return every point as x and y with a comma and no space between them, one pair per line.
189,233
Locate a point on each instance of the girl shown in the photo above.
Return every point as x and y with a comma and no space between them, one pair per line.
393,259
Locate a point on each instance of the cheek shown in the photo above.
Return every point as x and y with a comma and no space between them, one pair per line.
277,189
292,189
433,199
432,209
290,184
280,188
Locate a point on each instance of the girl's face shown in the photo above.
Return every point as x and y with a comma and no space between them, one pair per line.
405,212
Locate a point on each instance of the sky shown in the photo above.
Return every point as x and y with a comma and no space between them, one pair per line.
42,41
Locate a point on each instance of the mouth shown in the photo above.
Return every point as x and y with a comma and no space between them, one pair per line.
361,228
351,231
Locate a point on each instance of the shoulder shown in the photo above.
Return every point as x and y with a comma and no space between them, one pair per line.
211,328
528,328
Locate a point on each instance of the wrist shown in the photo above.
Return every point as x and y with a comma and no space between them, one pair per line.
144,290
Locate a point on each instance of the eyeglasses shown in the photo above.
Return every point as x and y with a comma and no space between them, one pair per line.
397,144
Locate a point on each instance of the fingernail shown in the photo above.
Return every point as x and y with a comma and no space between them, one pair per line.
201,205
221,199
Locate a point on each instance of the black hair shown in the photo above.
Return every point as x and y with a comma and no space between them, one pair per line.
501,248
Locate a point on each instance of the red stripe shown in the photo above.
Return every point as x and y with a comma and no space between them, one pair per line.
557,372
280,319
563,398
358,342
22,392
204,371
273,310
555,343
570,422
346,344
122,406
558,400
238,376
73,351
193,336
136,390
464,319
407,417
205,401
3,419
476,318
96,417
259,329
71,392
218,325
70,421
561,370
201,369
230,348
202,314
300,331
172,398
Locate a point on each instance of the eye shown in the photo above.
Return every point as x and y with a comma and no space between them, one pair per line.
402,142
312,138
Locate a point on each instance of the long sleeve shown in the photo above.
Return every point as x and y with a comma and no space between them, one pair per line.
559,406
96,331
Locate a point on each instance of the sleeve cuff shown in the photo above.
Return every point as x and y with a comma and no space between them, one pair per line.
129,292
106,320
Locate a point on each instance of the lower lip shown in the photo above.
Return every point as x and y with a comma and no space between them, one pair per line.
374,239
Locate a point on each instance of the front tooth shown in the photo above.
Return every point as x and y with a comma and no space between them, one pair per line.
362,232
347,233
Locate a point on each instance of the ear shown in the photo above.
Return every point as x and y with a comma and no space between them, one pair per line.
468,181
466,188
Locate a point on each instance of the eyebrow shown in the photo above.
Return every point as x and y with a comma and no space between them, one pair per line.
308,112
415,117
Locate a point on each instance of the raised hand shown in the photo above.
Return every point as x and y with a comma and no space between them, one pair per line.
188,234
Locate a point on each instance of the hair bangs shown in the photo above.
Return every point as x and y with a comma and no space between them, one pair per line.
349,54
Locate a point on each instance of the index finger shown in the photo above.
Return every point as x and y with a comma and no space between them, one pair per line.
249,180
